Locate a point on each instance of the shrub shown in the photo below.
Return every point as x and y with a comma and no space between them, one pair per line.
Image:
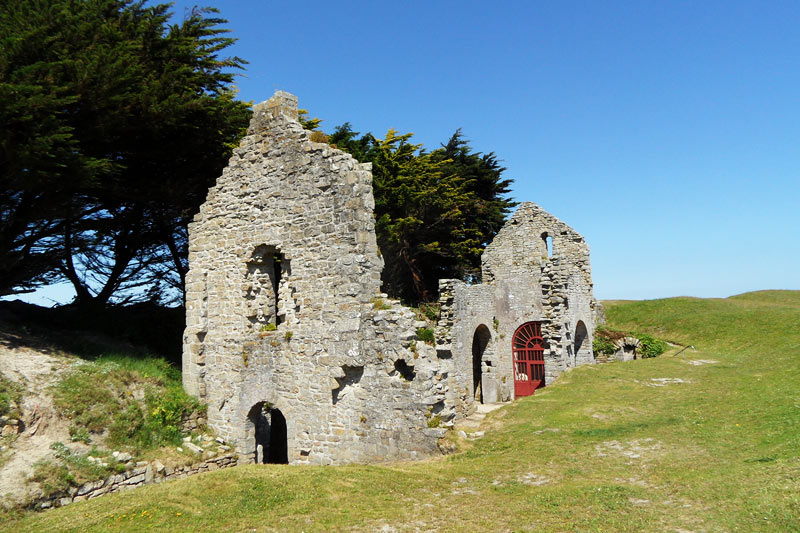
52,477
425,335
79,434
380,304
318,137
650,346
166,410
604,338
601,345
604,342
140,403
434,421
430,311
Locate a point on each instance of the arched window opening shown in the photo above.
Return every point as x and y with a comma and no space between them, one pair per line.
271,435
528,348
480,340
548,243
267,271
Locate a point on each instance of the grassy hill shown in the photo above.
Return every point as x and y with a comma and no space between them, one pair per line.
705,441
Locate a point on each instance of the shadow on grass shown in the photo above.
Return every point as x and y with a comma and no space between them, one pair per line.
138,331
623,430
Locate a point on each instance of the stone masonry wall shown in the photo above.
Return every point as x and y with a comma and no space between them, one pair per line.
285,320
284,309
466,309
523,280
144,474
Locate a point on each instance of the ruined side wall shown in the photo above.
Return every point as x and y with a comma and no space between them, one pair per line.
466,309
281,305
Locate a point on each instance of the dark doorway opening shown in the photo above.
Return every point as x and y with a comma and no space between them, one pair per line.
480,340
271,435
580,337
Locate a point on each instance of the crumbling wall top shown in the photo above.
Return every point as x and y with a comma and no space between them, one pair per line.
282,104
530,240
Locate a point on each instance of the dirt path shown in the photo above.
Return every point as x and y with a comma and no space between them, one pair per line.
35,370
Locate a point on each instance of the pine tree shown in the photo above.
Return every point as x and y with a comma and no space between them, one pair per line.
435,212
114,123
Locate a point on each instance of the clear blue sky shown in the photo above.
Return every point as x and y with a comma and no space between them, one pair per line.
667,133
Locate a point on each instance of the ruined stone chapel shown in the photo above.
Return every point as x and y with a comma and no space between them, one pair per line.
299,356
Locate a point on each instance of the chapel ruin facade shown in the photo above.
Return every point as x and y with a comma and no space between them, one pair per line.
531,319
300,357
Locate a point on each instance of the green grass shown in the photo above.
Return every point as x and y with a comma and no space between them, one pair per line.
10,397
121,402
138,403
606,448
426,335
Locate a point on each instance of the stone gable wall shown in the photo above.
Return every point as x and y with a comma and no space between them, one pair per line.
522,282
283,306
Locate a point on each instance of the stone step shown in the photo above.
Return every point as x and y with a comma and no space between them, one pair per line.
474,420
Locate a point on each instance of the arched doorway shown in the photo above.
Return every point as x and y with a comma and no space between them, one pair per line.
480,340
271,435
528,348
582,349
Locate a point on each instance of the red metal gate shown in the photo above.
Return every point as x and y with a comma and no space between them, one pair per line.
528,347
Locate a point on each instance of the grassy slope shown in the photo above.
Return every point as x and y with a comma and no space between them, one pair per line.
718,452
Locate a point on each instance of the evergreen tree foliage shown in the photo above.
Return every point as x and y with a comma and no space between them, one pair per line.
435,212
487,204
113,122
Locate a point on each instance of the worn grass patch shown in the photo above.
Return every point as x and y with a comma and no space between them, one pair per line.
10,399
706,441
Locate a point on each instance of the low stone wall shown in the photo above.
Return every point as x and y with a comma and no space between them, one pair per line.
143,474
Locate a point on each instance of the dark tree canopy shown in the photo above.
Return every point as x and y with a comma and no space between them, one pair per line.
113,124
435,212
